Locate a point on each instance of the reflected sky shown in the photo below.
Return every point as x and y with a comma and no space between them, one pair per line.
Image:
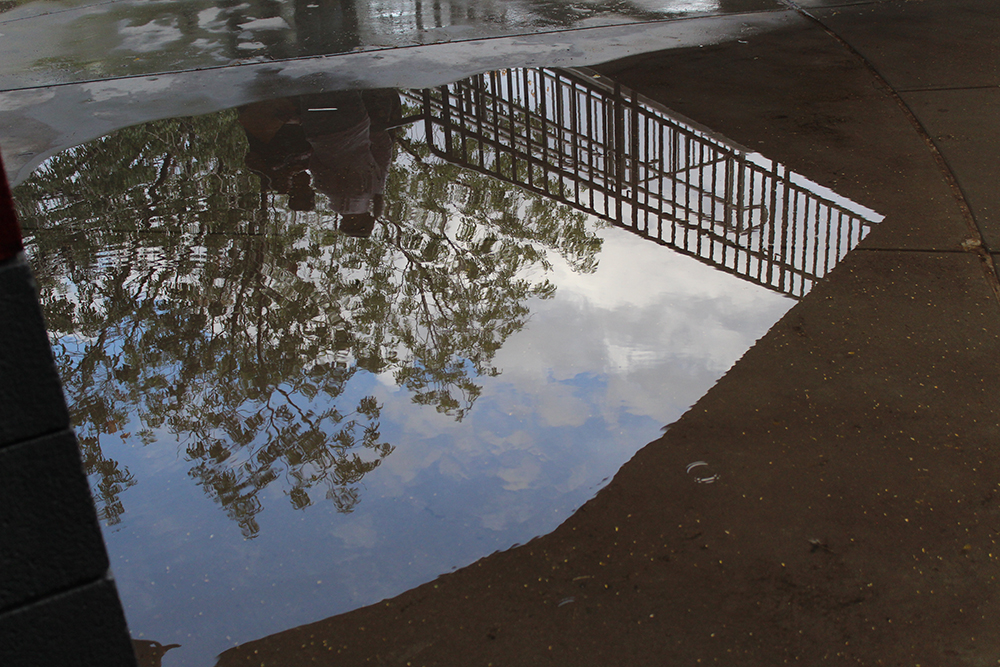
285,416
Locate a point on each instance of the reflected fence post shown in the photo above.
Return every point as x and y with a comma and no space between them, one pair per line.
575,137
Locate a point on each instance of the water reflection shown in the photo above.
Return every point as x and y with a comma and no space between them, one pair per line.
344,139
583,141
122,38
302,308
182,299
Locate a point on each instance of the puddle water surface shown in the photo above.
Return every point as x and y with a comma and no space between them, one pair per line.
322,349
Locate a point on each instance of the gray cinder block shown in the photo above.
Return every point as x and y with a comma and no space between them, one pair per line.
31,399
49,536
82,627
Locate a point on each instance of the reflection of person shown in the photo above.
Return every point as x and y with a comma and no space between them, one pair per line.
279,151
344,139
352,150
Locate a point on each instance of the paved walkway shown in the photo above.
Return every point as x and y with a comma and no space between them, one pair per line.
857,513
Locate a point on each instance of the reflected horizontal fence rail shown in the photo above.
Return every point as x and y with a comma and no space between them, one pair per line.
606,151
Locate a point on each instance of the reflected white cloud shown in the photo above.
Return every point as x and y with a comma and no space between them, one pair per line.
658,327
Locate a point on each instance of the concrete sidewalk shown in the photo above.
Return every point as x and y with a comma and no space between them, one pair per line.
857,510
856,514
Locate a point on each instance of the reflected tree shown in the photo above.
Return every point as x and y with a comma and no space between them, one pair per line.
187,304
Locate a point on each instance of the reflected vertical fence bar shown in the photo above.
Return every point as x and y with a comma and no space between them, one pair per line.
568,135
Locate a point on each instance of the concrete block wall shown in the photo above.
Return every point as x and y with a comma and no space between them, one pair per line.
58,604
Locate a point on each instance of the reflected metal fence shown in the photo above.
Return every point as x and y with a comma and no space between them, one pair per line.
601,149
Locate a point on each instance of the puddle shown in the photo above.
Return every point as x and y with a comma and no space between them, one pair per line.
324,348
